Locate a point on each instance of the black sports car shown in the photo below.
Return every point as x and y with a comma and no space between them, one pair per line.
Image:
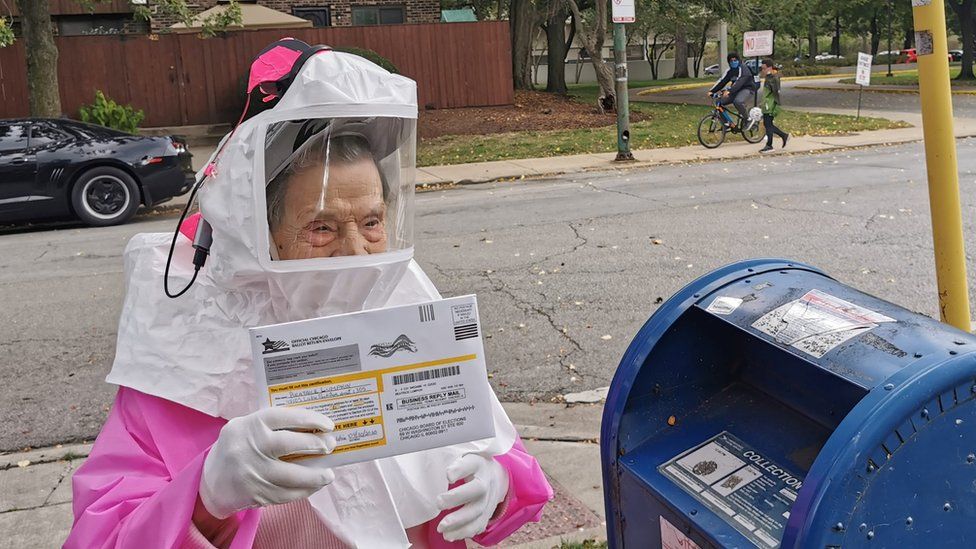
55,168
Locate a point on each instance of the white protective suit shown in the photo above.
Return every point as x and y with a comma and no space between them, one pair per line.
194,350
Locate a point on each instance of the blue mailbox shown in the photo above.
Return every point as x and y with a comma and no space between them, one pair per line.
768,405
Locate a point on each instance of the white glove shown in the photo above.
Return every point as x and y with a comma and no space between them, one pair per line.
243,470
485,486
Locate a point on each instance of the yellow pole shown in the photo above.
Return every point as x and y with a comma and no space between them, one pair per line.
940,160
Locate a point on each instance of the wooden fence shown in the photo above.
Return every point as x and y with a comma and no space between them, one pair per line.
183,79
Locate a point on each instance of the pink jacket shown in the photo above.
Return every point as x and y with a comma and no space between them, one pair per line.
139,486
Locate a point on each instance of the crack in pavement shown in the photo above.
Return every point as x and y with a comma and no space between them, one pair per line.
64,475
528,307
805,210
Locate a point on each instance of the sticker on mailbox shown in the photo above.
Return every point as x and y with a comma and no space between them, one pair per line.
818,322
739,484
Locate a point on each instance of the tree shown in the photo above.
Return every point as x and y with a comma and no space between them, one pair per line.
44,96
557,45
680,51
963,10
655,32
593,34
522,22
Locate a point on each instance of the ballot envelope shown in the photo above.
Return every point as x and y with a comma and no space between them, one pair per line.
394,380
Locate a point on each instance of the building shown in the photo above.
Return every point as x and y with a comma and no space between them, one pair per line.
71,18
337,13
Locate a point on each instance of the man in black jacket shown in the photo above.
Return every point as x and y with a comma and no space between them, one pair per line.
743,89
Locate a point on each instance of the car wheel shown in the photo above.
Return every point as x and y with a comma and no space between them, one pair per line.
105,196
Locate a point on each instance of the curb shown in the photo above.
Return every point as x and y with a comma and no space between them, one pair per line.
636,164
44,455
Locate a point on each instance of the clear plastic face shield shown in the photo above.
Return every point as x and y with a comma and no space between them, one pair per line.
339,187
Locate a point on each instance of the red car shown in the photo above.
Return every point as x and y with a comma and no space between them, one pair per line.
911,55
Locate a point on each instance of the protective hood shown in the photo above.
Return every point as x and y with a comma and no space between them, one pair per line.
194,350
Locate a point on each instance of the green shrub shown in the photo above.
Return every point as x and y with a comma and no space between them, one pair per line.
108,113
6,32
793,69
371,56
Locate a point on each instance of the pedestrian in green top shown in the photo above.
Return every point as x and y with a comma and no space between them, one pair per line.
770,104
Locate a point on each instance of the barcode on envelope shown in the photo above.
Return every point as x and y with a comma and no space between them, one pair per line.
467,331
426,313
425,375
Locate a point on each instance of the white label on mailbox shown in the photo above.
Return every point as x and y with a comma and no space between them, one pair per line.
818,322
672,538
740,484
724,305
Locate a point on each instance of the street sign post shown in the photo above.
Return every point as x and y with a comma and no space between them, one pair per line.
622,11
940,162
862,76
757,44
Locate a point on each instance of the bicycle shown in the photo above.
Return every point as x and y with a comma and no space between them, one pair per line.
715,125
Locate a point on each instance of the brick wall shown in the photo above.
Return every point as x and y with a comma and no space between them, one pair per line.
415,11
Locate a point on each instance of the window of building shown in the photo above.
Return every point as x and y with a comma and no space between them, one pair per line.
319,16
85,25
377,15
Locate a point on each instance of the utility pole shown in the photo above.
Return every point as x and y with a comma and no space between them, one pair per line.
622,12
940,160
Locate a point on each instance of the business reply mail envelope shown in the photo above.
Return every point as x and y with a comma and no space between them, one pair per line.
394,380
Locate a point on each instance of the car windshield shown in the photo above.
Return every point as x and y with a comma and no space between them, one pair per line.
91,131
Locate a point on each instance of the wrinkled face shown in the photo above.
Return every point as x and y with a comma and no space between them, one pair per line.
350,219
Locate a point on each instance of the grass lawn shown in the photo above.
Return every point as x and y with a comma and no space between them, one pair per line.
910,79
666,126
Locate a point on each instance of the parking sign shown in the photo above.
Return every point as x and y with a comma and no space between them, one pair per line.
757,43
863,76
623,11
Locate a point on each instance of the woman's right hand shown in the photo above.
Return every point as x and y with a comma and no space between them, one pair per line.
244,469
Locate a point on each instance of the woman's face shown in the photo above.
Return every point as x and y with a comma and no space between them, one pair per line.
350,219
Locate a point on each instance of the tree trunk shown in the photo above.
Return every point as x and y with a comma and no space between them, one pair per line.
649,50
680,53
835,42
964,11
522,24
42,58
593,44
556,48
813,33
700,50
875,34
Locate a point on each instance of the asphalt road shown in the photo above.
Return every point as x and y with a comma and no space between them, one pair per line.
558,265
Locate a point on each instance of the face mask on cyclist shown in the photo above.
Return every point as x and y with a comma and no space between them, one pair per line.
734,63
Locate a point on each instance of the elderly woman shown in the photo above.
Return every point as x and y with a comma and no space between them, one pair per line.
310,205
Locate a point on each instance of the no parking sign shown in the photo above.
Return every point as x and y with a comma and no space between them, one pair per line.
623,11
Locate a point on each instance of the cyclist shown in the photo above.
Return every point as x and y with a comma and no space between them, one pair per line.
743,86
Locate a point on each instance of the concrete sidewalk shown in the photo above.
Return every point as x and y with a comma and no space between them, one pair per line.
735,148
35,486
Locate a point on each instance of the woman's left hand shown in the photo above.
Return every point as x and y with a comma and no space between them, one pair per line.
485,486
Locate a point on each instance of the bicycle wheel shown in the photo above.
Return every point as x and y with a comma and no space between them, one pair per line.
755,134
711,131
